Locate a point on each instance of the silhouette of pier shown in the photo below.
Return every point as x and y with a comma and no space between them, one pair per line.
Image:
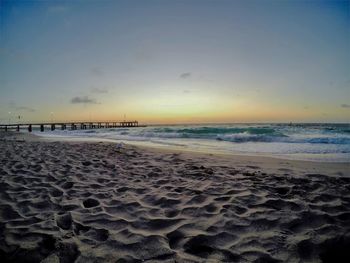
70,125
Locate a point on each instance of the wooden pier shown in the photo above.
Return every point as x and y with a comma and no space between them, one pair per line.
70,125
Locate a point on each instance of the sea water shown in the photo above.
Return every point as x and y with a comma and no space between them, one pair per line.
315,142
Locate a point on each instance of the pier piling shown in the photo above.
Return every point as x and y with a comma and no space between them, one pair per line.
73,125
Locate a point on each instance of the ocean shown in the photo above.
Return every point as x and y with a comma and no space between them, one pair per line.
311,142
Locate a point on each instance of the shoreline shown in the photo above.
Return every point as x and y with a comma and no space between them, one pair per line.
99,201
147,145
266,162
319,144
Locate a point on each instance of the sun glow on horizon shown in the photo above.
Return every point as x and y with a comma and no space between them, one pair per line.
175,62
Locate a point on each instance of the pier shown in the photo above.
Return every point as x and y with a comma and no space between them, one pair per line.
70,125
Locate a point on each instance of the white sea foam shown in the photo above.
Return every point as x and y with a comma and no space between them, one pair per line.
323,142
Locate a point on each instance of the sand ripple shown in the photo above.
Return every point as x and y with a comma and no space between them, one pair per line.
65,202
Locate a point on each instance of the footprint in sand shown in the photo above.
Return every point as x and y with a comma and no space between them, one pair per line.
64,221
88,203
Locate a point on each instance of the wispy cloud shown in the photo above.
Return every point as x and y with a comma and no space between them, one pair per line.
83,100
143,55
185,75
99,90
24,108
15,107
13,54
345,106
96,71
56,9
186,91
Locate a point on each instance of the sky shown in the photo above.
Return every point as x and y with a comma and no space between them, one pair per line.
179,61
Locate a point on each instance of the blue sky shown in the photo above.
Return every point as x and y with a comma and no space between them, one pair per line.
175,61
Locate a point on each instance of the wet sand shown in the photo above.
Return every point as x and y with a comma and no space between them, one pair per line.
105,202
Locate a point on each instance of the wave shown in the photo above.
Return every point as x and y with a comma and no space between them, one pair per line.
266,134
245,134
236,134
218,130
304,142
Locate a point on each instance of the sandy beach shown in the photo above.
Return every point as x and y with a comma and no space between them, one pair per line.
104,202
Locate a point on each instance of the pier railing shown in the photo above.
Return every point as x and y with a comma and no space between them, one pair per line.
70,125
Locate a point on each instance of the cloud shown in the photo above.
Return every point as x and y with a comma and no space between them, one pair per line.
206,79
83,100
170,105
13,54
24,108
56,9
186,91
99,90
143,55
185,75
345,106
15,107
96,71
